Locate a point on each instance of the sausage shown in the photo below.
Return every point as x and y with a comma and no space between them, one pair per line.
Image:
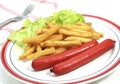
82,58
48,61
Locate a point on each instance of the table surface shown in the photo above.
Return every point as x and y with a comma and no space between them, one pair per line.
103,8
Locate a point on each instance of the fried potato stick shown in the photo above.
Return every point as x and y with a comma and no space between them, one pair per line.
40,38
44,52
88,23
78,30
60,43
82,27
28,52
73,33
28,47
44,30
60,49
55,37
82,24
82,39
39,31
38,48
97,35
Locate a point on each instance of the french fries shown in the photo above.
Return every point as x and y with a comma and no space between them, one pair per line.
44,36
60,49
44,52
60,43
27,52
58,38
74,33
81,27
82,39
38,48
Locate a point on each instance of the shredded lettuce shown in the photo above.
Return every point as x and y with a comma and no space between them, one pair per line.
68,17
29,27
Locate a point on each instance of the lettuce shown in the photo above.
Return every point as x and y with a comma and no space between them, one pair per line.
68,17
29,28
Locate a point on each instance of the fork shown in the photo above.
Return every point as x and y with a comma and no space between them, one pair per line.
27,10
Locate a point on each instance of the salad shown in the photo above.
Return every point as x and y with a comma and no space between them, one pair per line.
29,27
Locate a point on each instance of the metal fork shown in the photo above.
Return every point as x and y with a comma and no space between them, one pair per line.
27,10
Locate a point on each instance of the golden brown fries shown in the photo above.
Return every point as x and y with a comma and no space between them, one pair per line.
38,48
60,43
44,52
28,47
45,30
82,24
60,49
57,38
26,53
81,27
74,33
39,31
74,38
97,35
44,36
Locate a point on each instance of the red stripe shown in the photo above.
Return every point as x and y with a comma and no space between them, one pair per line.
33,17
117,26
15,13
112,67
49,2
7,29
8,10
41,1
3,58
7,66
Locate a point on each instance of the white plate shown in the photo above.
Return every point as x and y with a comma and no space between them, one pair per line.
90,72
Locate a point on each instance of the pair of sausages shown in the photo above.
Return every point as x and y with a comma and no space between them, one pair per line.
74,58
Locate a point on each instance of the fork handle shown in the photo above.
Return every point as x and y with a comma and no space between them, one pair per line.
6,22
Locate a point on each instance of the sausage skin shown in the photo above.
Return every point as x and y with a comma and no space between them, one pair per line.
48,61
82,58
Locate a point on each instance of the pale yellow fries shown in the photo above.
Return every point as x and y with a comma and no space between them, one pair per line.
58,38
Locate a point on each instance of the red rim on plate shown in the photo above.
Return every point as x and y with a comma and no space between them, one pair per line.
10,71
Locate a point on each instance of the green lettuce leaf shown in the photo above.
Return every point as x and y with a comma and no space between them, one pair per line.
68,17
29,27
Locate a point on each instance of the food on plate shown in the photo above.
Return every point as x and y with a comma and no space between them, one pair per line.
63,41
40,38
54,37
83,58
37,54
29,28
60,43
46,51
60,49
29,51
54,34
70,38
49,61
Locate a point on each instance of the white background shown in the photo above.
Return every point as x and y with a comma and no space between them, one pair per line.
108,9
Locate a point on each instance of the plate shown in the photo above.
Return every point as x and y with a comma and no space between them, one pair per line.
90,72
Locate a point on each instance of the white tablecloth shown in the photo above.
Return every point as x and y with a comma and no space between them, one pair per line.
108,9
